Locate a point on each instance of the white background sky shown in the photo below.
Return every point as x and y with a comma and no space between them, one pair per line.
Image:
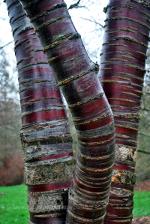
91,33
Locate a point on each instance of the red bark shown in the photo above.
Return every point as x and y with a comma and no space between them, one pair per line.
45,135
122,69
91,113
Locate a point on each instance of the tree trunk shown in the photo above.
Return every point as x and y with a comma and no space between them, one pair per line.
45,135
91,113
122,69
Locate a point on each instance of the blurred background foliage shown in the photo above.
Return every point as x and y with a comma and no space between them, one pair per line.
11,158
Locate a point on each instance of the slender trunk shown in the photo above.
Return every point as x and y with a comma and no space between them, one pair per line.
122,69
91,113
45,135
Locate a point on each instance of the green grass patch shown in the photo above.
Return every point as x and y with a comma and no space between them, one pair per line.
13,205
142,204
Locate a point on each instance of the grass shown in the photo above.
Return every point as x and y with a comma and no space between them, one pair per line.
142,203
13,205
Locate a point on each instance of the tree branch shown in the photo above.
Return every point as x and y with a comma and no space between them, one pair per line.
5,45
76,5
93,21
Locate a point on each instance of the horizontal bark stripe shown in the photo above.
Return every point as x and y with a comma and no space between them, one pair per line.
49,187
143,7
124,102
120,212
48,104
95,140
128,12
101,130
130,88
124,68
46,150
124,56
125,42
94,171
86,100
43,116
105,149
47,12
88,110
33,39
68,81
89,181
45,6
75,218
127,35
91,124
30,138
93,190
39,72
126,25
101,158
24,59
86,212
123,167
62,20
132,115
69,53
144,24
48,220
53,156
37,94
119,221
112,79
110,49
96,164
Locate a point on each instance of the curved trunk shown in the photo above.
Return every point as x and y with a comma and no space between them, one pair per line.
45,135
91,113
122,69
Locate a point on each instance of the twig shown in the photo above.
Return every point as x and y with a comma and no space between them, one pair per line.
1,47
75,5
93,21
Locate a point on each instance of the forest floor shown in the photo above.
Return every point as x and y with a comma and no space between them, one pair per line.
13,204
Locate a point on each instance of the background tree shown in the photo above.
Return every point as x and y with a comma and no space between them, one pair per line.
143,155
10,149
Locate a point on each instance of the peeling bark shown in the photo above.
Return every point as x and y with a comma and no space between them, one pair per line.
92,116
45,134
122,68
